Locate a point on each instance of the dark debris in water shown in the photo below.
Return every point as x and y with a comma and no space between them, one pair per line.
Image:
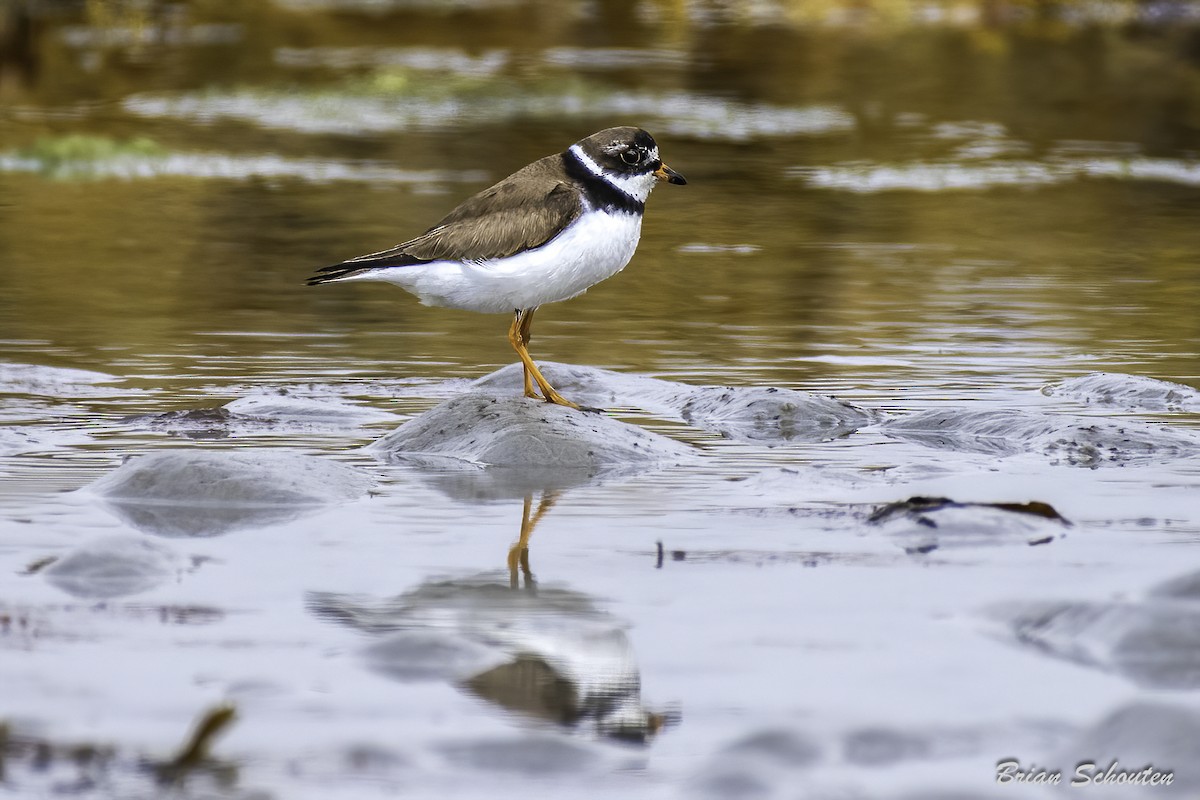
925,524
919,507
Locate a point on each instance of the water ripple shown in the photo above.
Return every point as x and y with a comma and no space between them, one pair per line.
923,176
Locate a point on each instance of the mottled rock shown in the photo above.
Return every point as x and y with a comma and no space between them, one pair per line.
591,386
192,423
517,431
1074,441
772,415
260,413
38,439
280,406
1127,392
57,382
747,413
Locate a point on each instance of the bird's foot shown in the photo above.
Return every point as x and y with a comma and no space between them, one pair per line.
557,399
577,407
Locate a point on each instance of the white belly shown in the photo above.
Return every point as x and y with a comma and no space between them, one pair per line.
597,246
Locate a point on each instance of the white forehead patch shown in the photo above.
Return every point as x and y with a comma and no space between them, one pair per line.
636,186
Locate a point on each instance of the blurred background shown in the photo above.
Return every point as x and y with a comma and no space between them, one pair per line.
886,174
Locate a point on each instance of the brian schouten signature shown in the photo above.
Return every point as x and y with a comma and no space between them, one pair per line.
1087,773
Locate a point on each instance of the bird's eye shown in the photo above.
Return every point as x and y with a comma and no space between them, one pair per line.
631,156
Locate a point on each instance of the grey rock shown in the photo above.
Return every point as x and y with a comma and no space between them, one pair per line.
1073,441
280,406
1127,392
485,430
274,412
591,386
772,415
57,382
203,493
747,413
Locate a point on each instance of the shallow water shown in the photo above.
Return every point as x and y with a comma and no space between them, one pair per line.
944,219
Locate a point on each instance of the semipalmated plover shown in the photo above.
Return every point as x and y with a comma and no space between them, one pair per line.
546,233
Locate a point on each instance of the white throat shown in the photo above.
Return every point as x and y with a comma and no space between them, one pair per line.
636,186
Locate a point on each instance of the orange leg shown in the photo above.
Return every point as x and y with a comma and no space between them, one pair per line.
518,336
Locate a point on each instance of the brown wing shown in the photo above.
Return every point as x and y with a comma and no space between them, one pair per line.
525,210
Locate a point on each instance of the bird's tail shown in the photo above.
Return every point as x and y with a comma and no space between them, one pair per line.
337,272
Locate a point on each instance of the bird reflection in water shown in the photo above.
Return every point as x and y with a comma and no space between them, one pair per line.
548,653
518,554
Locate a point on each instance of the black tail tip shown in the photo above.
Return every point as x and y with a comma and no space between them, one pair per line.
330,274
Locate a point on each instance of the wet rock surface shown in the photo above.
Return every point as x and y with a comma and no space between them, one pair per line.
36,379
769,415
519,432
284,406
273,413
589,386
772,415
747,413
194,423
201,493
1127,392
1072,442
35,439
